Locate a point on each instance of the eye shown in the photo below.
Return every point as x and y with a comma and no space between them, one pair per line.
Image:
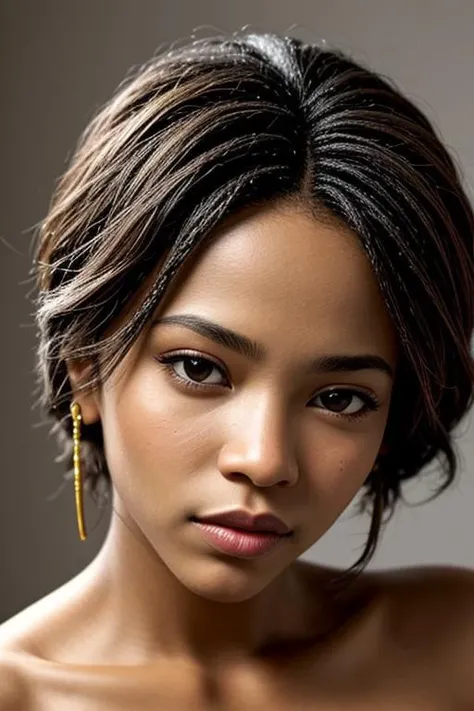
193,370
346,403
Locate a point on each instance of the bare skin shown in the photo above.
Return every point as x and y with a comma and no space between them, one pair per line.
161,618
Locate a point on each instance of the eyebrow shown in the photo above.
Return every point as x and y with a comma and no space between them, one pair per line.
256,352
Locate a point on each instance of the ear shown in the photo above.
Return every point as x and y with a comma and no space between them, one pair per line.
89,400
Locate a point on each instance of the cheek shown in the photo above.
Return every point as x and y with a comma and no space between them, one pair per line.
149,436
335,472
338,467
349,473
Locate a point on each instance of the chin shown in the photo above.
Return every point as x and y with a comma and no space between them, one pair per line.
226,581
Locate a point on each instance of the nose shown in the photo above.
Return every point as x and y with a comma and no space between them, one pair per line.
259,446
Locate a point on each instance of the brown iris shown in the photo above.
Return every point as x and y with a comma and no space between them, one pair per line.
197,369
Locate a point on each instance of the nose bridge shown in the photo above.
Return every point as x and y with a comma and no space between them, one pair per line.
260,442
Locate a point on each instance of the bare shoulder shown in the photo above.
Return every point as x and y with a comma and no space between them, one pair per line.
32,637
420,594
13,686
413,624
28,630
36,630
21,638
431,617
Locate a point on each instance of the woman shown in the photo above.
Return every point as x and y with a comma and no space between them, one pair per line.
255,300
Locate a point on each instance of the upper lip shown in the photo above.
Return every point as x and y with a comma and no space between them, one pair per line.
264,522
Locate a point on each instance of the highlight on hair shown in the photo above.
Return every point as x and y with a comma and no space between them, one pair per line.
207,129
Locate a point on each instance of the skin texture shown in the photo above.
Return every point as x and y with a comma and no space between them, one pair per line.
160,616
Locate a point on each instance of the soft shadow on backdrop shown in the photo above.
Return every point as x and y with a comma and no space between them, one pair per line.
58,62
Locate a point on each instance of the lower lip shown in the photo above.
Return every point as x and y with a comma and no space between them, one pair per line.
242,544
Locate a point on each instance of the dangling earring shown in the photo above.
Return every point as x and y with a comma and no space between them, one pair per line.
75,410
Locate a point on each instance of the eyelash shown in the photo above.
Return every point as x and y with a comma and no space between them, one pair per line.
371,403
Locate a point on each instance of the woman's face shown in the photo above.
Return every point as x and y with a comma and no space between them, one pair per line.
284,426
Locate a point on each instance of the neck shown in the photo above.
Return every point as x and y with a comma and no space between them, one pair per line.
150,612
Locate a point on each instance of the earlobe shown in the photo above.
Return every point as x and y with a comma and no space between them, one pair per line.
80,372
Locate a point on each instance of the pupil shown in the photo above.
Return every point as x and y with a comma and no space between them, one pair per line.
336,400
197,368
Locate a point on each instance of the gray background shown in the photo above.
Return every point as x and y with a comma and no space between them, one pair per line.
59,61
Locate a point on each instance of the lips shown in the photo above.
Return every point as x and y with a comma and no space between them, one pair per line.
243,520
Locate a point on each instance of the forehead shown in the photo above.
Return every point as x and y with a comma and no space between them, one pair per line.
279,273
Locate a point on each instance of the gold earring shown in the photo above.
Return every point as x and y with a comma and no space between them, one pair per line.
75,410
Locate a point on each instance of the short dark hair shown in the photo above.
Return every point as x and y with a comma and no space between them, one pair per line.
207,129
